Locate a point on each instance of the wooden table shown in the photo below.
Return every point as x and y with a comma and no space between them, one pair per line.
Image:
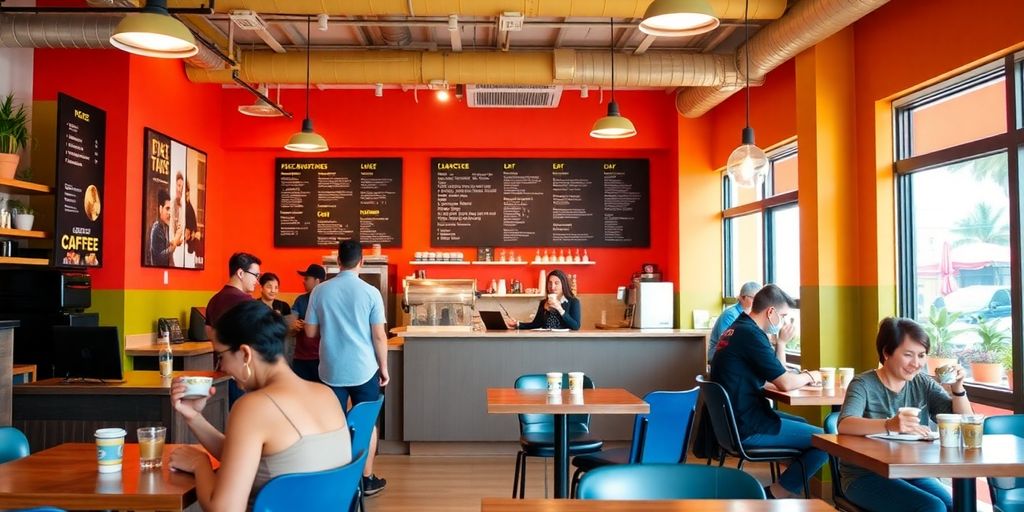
591,401
65,476
536,505
999,456
28,371
808,395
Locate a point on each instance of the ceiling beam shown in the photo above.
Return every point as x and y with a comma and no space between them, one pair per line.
644,45
455,32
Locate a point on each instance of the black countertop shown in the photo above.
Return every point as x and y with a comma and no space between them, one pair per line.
9,324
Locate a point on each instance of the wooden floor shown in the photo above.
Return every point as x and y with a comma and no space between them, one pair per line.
453,484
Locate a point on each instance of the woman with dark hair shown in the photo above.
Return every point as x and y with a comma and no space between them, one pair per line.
560,310
282,425
270,285
872,406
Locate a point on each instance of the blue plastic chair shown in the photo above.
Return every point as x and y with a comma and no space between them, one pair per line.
668,482
361,418
40,509
660,436
537,431
13,444
1007,493
842,502
332,489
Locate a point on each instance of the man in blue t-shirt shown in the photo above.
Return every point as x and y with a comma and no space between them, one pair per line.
348,315
744,300
744,361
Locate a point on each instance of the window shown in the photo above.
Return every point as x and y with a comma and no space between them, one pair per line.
956,162
761,230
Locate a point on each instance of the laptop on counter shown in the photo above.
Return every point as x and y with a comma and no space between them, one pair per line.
493,320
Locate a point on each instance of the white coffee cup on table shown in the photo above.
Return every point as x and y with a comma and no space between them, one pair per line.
554,382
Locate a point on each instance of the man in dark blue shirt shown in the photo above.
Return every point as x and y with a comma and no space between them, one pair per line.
744,361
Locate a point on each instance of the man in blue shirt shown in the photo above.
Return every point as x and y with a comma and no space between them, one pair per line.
744,362
743,302
348,315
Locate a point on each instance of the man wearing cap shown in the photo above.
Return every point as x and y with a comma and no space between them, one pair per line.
306,361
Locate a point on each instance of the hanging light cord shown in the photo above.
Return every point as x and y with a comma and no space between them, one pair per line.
746,53
308,18
611,50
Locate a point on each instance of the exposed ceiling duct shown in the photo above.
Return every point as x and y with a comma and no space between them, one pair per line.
75,31
805,25
562,66
723,9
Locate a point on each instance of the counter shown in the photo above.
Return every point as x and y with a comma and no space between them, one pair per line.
444,376
190,355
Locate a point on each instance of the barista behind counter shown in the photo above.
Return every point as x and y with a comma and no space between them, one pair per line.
560,310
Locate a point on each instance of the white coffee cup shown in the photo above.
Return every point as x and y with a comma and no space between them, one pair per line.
110,449
949,430
828,377
845,377
909,411
553,297
554,382
575,382
197,386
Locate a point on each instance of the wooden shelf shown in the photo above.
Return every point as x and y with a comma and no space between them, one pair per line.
512,296
563,263
439,263
21,233
501,263
13,186
24,261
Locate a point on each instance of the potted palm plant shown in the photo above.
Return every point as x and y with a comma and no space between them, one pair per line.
941,332
13,135
1007,361
23,214
986,357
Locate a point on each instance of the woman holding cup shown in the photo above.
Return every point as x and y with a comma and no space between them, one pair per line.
560,310
284,424
894,399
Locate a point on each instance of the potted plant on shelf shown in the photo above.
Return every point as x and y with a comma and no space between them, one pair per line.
24,215
941,332
986,357
13,135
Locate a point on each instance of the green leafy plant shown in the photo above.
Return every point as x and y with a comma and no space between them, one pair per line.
992,340
941,331
13,126
19,207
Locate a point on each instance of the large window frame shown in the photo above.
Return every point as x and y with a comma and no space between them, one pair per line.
1011,142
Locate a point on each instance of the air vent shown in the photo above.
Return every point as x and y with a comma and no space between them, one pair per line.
513,96
248,20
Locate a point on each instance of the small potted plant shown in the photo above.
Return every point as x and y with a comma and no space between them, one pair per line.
941,332
24,215
1007,361
13,135
986,357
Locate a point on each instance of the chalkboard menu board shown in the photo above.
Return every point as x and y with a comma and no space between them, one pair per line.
538,202
320,201
78,226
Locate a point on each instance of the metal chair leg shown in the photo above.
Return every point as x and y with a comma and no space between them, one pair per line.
575,482
721,460
515,478
740,464
803,473
773,466
522,479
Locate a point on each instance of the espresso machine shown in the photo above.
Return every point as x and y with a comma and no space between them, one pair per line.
649,300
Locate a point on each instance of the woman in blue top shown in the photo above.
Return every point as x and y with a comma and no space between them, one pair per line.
560,310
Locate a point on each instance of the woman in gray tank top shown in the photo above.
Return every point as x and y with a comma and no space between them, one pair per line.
872,406
284,424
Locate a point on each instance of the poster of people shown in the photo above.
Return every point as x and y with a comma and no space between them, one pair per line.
174,204
81,146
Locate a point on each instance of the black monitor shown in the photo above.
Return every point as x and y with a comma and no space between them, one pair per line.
197,325
87,353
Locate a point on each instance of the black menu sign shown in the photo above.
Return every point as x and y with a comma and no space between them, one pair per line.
78,226
537,202
320,201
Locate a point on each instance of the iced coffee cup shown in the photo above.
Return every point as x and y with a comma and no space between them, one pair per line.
151,446
949,430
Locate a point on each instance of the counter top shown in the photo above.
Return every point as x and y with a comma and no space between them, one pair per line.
135,383
582,333
189,348
9,324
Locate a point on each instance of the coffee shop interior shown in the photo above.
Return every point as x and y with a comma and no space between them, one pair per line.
501,161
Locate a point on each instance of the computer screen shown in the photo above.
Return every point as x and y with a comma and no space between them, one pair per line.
87,353
197,324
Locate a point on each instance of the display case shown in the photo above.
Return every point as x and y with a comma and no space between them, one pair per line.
440,304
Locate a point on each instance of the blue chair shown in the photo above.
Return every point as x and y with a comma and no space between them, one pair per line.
537,431
40,509
668,482
723,423
13,444
842,502
660,436
332,489
361,418
1007,493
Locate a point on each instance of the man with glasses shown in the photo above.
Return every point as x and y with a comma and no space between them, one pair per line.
744,300
243,276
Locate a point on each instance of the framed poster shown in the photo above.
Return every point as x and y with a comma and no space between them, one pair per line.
173,203
81,146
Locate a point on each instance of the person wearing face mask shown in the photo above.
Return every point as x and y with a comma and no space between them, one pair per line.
744,300
744,361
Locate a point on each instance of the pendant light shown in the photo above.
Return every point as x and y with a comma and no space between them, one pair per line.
613,125
747,165
307,140
678,18
154,33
